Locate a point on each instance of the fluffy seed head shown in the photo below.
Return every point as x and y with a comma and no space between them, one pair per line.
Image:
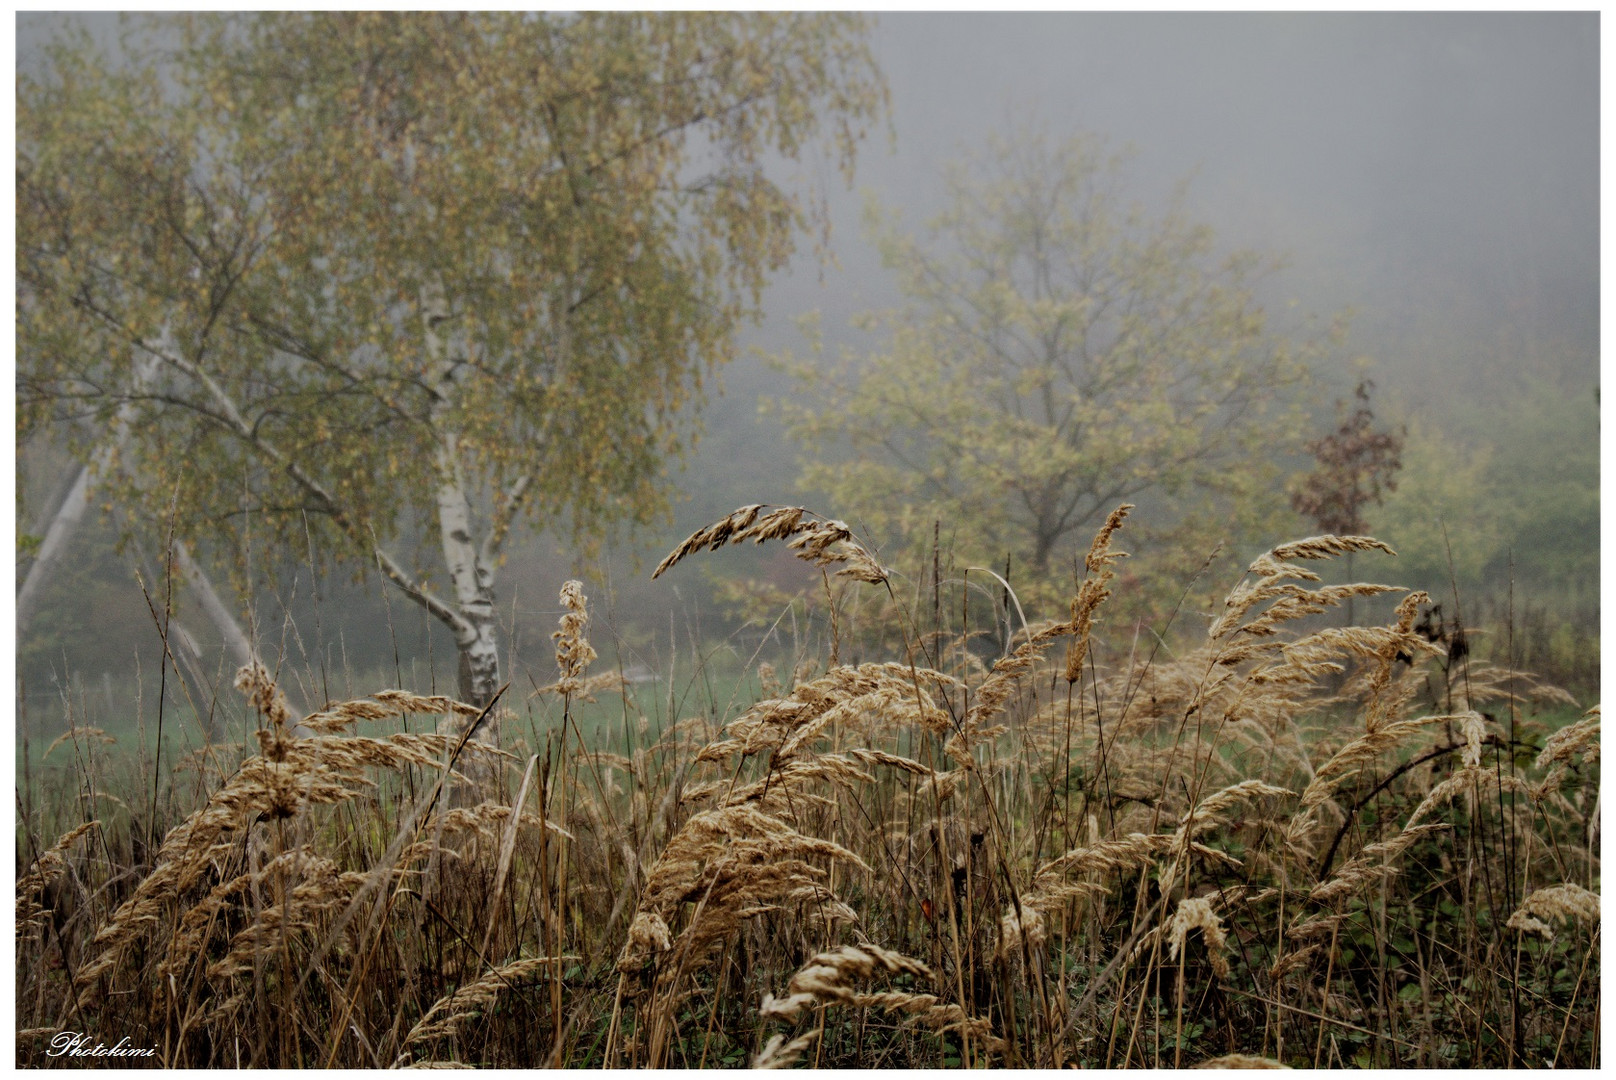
1569,901
573,651
1195,913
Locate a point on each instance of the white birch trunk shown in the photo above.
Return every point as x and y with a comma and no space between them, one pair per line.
71,513
235,639
473,582
470,572
54,545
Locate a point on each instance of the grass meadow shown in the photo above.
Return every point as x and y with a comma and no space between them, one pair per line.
1295,842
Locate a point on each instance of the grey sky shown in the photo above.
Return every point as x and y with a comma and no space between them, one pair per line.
1437,173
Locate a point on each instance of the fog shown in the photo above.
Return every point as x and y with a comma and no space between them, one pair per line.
1435,175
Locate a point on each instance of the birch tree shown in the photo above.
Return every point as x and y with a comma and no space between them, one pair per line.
464,269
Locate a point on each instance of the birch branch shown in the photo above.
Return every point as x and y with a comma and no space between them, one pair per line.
504,514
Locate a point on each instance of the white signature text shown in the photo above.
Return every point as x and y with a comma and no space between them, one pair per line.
77,1044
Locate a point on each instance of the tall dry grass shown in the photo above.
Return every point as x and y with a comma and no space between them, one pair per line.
1284,844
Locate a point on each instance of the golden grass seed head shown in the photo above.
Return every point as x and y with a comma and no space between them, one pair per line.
779,1054
255,681
1241,1061
1568,901
573,652
1195,913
